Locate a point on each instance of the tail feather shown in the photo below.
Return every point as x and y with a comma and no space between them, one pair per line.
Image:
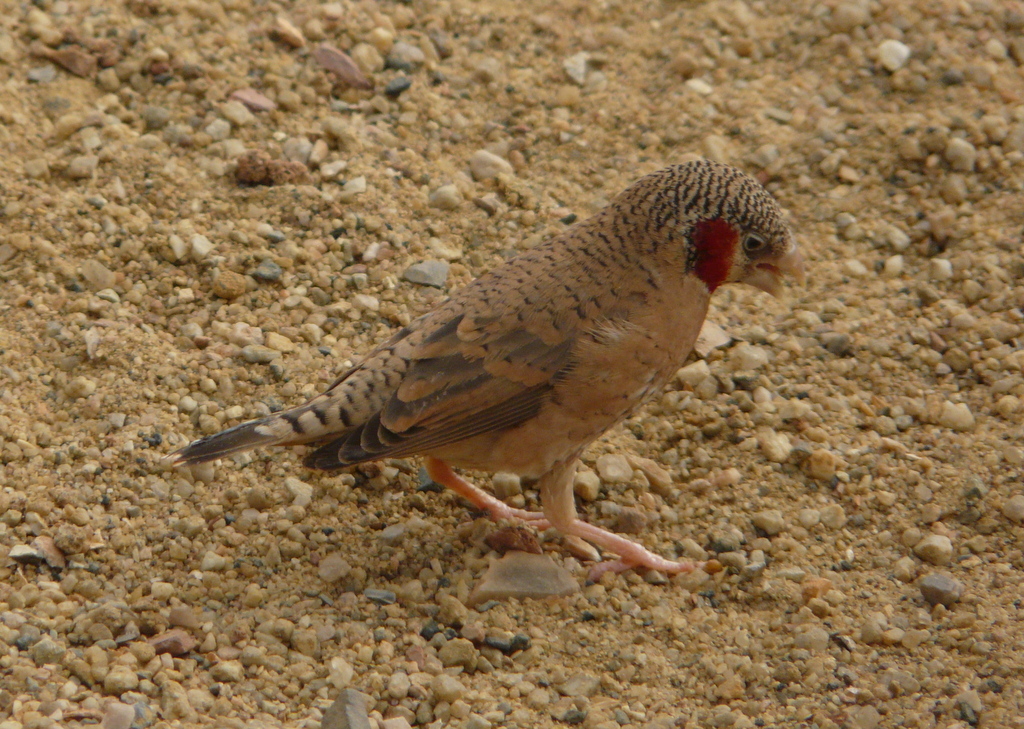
292,427
240,438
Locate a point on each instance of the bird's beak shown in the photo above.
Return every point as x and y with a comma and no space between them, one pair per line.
768,276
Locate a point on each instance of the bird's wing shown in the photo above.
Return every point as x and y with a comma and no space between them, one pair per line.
463,377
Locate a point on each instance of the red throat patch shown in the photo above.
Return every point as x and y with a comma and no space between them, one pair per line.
715,241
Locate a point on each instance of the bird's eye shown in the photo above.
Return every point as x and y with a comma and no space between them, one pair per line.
753,244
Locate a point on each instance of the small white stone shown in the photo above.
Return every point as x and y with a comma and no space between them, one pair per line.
961,154
201,247
365,302
213,562
162,591
332,169
446,197
940,269
746,358
484,165
1013,508
775,446
699,86
896,238
236,113
694,374
302,492
587,485
218,129
576,67
614,468
892,55
893,267
956,416
855,268
935,549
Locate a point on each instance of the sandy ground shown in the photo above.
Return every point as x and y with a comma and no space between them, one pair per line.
853,458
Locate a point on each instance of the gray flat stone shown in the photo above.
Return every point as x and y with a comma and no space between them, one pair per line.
521,574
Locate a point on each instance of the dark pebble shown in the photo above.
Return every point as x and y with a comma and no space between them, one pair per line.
397,86
381,597
267,271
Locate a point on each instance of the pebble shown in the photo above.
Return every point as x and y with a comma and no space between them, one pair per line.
381,597
237,113
82,167
120,679
848,16
935,549
447,688
694,374
397,86
576,67
586,484
80,387
268,270
521,575
892,54
939,589
428,273
259,354
813,639
229,671
37,168
300,491
775,446
333,567
229,285
118,715
461,652
343,66
770,521
47,651
940,269
201,246
349,711
961,154
956,416
484,165
42,74
446,197
747,358
213,562
506,485
1013,509
822,465
97,275
614,468
175,642
352,189
156,117
833,516
893,267
404,57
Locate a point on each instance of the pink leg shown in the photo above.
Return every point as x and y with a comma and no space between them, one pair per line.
630,553
560,512
560,509
442,473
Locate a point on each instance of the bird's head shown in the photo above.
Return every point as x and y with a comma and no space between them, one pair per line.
735,231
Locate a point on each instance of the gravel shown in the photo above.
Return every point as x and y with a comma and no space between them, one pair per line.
863,432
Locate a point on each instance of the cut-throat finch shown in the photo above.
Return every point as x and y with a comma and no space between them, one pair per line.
522,369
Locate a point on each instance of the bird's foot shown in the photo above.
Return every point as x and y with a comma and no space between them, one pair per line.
631,554
442,473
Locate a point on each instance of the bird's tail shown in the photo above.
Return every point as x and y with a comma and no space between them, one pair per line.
291,427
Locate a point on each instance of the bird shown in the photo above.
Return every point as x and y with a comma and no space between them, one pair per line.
523,368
